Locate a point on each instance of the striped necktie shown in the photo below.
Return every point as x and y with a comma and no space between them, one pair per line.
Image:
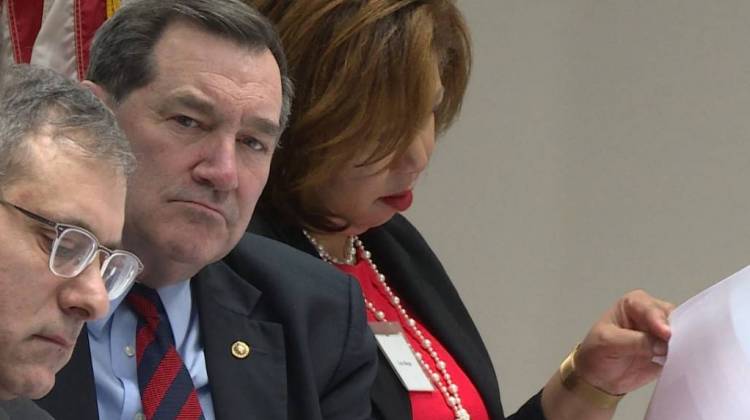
167,391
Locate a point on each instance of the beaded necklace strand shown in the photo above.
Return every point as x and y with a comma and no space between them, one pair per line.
440,378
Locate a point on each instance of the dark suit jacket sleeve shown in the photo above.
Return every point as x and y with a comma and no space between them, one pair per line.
532,410
343,397
22,409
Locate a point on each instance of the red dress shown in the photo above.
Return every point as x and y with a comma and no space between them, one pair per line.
424,405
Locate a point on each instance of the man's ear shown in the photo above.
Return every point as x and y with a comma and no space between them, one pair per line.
100,93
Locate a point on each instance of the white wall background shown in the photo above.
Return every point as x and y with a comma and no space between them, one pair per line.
603,146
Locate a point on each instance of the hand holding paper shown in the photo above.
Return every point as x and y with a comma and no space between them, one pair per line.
616,355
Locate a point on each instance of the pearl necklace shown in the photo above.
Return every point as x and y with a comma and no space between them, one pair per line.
441,379
349,258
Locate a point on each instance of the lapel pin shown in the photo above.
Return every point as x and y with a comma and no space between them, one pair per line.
240,349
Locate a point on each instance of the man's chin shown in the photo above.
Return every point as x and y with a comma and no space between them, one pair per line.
41,390
195,253
175,250
34,384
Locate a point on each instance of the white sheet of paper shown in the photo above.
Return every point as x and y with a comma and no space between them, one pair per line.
707,371
390,338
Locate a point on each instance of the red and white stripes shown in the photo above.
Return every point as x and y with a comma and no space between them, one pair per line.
53,33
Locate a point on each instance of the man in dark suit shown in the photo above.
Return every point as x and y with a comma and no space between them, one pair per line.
63,167
200,88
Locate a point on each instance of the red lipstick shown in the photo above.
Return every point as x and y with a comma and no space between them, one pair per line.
401,201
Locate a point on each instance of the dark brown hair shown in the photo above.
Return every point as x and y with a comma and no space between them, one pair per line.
364,80
122,52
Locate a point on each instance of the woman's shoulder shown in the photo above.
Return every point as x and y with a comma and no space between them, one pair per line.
399,245
399,227
262,224
265,224
397,233
400,224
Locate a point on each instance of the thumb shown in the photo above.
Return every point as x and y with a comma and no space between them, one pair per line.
621,342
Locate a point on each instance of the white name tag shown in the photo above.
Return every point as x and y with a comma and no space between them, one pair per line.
391,340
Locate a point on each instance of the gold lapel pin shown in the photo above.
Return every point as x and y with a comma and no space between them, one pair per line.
240,349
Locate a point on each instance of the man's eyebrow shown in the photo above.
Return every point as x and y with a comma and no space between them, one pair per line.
74,221
264,125
191,101
206,107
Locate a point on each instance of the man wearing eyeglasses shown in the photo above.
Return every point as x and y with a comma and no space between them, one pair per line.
63,167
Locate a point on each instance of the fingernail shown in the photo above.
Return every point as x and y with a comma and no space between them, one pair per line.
659,348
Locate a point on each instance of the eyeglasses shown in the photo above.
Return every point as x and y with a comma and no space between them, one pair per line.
75,248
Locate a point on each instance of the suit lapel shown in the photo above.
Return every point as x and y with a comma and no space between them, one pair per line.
229,312
74,386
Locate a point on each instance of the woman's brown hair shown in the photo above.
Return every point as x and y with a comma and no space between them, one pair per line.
364,76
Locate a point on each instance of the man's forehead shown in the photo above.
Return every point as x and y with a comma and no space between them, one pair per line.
182,33
186,44
66,187
68,212
238,78
221,83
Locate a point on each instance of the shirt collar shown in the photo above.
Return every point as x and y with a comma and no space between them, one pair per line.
177,300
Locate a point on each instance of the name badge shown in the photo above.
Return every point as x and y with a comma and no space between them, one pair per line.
391,340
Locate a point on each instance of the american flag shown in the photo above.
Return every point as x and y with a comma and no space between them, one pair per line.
53,33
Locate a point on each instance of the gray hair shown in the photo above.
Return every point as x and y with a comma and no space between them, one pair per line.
35,100
121,58
2,60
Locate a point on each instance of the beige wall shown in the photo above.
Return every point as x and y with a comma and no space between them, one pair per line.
603,147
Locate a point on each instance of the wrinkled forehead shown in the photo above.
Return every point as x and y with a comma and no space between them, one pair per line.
184,47
225,84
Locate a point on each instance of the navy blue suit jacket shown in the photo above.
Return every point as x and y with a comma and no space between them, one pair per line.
313,356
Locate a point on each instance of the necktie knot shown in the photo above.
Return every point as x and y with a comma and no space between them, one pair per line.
145,302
